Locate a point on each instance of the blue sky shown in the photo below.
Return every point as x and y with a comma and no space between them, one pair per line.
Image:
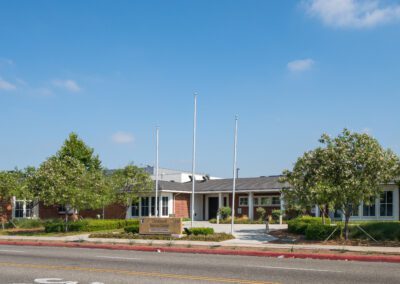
112,70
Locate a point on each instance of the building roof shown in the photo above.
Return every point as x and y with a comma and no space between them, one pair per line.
265,184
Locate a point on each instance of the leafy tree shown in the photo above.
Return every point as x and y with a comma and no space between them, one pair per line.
76,148
307,185
15,183
128,183
348,169
73,178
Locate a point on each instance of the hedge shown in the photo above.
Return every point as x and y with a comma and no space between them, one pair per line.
380,231
199,231
89,225
134,229
320,231
299,224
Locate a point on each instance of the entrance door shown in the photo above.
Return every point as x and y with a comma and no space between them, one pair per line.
212,207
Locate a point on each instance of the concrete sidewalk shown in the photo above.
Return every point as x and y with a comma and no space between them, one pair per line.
230,243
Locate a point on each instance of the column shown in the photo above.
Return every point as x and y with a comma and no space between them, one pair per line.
251,206
149,202
159,206
220,205
282,209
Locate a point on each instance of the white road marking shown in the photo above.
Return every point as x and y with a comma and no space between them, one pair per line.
10,250
117,257
296,268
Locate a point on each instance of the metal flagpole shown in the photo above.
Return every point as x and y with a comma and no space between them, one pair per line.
194,158
234,174
156,201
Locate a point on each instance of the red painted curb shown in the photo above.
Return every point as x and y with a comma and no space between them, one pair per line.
370,258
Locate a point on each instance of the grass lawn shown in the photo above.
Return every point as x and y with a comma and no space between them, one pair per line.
39,232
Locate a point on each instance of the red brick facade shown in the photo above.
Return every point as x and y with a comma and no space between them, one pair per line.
5,209
181,205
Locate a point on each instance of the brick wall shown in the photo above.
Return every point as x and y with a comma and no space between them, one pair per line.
182,205
5,209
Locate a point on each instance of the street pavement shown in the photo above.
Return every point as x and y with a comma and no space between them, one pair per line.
29,265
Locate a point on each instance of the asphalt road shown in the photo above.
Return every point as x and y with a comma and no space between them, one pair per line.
23,265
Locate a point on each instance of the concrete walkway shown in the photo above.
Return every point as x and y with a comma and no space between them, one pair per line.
244,233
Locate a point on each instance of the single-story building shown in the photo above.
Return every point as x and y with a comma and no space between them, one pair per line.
210,195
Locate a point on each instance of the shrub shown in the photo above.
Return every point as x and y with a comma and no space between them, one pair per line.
89,225
276,214
380,231
320,231
27,223
225,212
199,231
261,213
299,225
134,229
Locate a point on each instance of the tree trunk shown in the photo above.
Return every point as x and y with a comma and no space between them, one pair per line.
346,226
103,211
66,220
322,209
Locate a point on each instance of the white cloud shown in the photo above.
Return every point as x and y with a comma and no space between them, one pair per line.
6,86
6,61
69,85
353,13
121,137
300,65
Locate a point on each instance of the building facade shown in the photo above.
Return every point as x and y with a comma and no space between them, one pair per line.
210,195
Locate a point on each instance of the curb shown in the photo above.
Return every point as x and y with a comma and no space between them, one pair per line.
367,258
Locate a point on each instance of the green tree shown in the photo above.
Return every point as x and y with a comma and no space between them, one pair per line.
307,185
76,148
128,183
351,168
15,183
73,178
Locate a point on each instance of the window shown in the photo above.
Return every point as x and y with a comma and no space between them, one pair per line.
369,210
276,200
61,209
255,201
19,209
243,201
164,209
225,201
386,206
135,209
23,209
145,206
265,201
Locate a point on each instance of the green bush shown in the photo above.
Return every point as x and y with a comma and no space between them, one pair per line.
276,214
89,225
320,231
225,212
380,231
261,213
199,231
299,225
27,223
134,229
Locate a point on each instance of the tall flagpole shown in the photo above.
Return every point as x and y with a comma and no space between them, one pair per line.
194,158
156,201
234,174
